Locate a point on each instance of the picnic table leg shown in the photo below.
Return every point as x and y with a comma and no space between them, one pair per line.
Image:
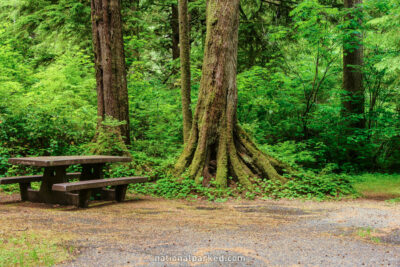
84,198
93,172
53,175
23,188
120,192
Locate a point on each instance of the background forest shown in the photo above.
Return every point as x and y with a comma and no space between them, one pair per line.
290,73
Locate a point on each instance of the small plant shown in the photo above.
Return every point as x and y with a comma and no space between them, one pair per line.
9,189
394,200
250,195
368,233
173,188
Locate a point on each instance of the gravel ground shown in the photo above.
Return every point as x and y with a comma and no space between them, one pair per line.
158,232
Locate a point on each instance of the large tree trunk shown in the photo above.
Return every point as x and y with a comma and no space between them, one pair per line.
184,40
353,99
112,92
217,146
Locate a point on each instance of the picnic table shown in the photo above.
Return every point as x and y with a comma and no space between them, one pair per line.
56,187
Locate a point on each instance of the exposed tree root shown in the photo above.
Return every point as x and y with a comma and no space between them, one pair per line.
236,157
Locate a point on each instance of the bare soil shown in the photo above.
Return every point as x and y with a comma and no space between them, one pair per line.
147,231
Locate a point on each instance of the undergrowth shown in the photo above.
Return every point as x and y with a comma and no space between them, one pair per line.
304,186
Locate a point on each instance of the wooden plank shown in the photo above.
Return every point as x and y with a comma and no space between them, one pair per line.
67,187
32,178
21,179
66,160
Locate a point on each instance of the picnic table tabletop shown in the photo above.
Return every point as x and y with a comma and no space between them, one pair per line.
66,160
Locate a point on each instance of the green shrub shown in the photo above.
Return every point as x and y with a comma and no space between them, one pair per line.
304,185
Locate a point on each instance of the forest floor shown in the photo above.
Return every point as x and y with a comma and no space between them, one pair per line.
148,231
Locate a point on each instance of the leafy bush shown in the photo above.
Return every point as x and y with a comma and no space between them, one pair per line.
304,185
170,187
300,154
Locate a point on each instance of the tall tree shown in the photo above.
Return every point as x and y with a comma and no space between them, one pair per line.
112,92
353,100
184,41
175,31
217,146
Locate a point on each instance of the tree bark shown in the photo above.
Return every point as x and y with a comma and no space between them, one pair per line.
175,31
112,92
353,99
217,147
184,41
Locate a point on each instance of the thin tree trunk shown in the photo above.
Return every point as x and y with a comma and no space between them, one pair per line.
175,31
112,92
217,147
353,101
184,40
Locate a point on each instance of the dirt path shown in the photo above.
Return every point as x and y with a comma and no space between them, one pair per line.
151,232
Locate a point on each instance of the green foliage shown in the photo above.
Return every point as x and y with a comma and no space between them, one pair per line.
383,33
155,117
44,29
297,95
310,185
304,185
9,189
299,154
170,187
53,114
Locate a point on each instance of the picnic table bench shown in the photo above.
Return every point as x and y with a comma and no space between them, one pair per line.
55,186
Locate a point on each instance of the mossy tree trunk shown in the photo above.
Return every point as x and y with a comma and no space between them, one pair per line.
354,98
112,92
184,40
217,147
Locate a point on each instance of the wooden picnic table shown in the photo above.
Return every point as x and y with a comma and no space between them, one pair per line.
55,188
